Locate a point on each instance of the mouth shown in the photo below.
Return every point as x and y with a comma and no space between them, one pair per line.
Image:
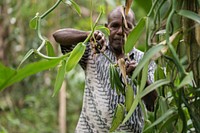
119,40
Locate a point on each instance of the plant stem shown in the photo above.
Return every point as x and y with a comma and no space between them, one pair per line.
152,8
108,58
39,24
93,28
51,58
39,29
177,62
42,45
51,9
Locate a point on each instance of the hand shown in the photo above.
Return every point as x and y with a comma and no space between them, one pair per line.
98,42
130,67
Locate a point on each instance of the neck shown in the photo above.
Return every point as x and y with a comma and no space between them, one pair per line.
120,56
118,52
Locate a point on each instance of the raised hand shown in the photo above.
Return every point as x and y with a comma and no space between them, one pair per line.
130,67
98,42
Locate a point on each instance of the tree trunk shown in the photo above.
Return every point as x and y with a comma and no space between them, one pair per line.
4,31
62,108
192,41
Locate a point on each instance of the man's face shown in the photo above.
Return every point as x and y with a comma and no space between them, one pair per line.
117,30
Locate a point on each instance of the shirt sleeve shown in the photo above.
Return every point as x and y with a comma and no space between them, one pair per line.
151,70
83,61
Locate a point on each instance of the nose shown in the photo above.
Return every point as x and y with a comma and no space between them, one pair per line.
120,31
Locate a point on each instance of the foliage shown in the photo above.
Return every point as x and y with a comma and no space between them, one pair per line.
176,84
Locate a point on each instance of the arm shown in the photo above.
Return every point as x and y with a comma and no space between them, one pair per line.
150,99
68,36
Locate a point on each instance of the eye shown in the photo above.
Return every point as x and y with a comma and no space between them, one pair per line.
114,25
130,26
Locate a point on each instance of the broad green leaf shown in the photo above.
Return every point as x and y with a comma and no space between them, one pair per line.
180,125
49,49
29,70
117,82
75,56
159,73
186,80
34,22
60,77
143,4
133,107
129,97
28,54
134,35
190,15
154,86
163,104
104,29
167,122
118,117
5,74
76,7
167,114
147,56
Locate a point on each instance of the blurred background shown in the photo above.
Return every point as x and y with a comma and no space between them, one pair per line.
28,106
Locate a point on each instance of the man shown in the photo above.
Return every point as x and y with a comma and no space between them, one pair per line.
100,100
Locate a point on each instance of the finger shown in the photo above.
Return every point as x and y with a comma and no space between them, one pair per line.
102,42
99,36
92,44
129,70
103,48
132,62
94,51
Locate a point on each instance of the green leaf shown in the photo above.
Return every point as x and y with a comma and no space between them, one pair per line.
189,14
34,22
28,54
167,122
29,70
117,82
5,73
129,97
75,56
76,7
104,29
134,35
163,104
133,107
167,114
186,80
154,86
144,4
49,49
146,58
144,77
159,73
60,77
